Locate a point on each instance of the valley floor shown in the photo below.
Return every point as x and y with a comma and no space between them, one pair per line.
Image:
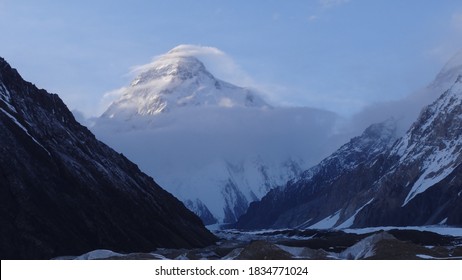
388,243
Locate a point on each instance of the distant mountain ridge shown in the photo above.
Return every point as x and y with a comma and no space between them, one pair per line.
63,192
404,181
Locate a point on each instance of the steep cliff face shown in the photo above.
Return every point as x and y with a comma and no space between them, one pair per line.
63,192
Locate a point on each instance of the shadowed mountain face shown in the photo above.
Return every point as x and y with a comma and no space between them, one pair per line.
63,192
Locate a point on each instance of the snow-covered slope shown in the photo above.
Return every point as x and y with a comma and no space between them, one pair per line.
214,145
434,142
423,183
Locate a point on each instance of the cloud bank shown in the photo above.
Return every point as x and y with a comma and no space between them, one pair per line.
195,152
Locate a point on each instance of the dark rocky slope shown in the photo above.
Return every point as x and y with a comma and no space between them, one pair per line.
63,192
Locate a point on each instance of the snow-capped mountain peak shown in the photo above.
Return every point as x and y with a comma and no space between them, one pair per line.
178,80
214,145
172,67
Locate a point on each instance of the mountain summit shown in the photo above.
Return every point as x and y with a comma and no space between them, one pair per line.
176,80
214,145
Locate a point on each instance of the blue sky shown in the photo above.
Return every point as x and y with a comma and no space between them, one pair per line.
340,55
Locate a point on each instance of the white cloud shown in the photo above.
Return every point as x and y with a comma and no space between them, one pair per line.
332,3
323,7
108,98
406,110
276,16
451,42
176,146
457,21
216,61
313,17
